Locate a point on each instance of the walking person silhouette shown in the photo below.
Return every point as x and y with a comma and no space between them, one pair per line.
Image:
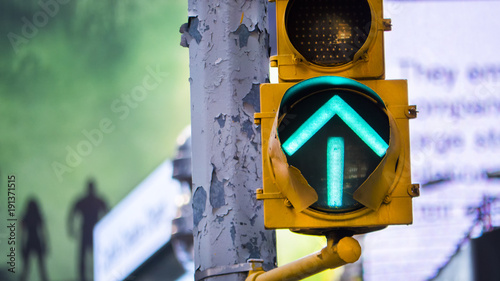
90,208
33,239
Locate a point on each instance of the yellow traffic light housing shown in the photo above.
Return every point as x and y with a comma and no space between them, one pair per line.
335,137
353,170
322,37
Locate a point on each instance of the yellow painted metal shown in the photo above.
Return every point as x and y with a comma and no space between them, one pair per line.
386,193
375,189
335,254
302,246
368,62
291,183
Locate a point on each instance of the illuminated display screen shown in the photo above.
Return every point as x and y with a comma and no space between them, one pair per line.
137,227
453,71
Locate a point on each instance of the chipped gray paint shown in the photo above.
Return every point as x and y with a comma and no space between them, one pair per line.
199,202
217,193
193,29
247,128
227,65
243,33
253,97
221,119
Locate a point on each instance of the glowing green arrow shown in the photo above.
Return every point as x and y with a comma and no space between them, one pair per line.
335,171
335,145
318,119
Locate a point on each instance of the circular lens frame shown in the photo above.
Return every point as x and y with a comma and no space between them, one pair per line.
358,159
328,32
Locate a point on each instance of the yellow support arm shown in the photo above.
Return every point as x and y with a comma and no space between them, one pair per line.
334,255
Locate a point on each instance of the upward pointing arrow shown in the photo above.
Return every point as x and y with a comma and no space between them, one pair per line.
335,106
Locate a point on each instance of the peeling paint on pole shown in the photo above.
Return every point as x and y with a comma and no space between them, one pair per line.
217,193
221,119
243,33
229,58
193,29
199,202
253,97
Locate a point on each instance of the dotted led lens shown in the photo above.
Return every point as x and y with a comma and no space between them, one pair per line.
328,32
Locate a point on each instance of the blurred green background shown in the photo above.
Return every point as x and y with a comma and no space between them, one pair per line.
66,67
90,89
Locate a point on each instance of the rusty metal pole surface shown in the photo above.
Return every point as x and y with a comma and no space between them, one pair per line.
228,52
347,250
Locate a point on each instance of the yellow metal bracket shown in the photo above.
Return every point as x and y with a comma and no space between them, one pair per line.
411,112
257,116
387,24
403,111
335,254
414,190
262,196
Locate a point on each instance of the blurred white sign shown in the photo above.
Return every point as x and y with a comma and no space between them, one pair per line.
137,227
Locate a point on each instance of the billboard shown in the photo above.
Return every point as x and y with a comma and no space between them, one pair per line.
448,52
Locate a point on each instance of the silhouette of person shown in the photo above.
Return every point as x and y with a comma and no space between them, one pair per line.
33,239
90,208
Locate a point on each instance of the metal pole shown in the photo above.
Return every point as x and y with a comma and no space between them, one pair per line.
228,52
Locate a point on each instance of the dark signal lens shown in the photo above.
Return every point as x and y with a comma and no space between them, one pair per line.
328,32
336,138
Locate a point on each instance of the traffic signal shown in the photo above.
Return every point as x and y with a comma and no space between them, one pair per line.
335,137
329,37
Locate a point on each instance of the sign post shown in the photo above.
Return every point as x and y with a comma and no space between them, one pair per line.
228,50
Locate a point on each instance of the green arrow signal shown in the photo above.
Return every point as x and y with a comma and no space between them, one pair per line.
335,106
335,171
335,145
